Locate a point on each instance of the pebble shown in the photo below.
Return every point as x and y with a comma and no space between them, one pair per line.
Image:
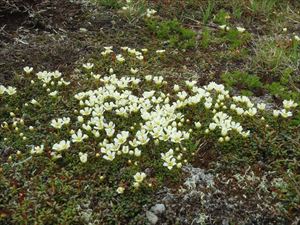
158,209
153,219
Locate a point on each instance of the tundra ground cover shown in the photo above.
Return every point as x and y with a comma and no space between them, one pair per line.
99,143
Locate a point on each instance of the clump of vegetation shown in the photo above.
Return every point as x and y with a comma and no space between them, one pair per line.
112,127
221,17
173,33
242,81
207,12
278,62
276,56
234,37
104,143
135,10
263,7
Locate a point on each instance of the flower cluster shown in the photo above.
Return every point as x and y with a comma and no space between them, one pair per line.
134,8
138,179
28,69
58,123
137,117
170,160
8,90
59,147
37,149
285,112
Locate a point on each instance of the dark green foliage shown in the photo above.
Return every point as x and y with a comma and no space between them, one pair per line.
242,80
174,33
234,38
221,17
206,13
281,91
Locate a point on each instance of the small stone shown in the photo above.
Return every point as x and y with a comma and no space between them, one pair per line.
153,219
168,198
158,209
225,222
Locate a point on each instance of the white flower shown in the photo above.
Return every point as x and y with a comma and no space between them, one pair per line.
120,58
276,113
56,74
37,149
137,152
287,104
88,66
239,110
252,111
240,29
62,145
53,93
139,177
176,88
28,69
34,102
158,80
140,57
80,119
170,163
109,131
66,120
223,27
110,156
11,90
245,134
120,190
261,106
207,105
97,76
58,123
83,157
285,113
134,71
142,137
148,77
79,137
136,185
198,124
176,137
125,149
297,38
182,95
62,81
212,126
2,89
